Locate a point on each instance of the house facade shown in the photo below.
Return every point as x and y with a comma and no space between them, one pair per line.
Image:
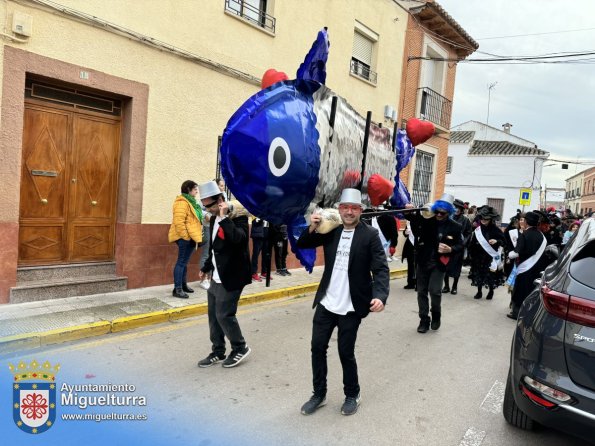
588,196
427,91
107,107
491,166
574,193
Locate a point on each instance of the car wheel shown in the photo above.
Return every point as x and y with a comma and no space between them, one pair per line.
512,413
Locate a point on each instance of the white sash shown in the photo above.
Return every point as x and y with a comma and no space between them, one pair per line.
531,261
514,236
383,241
410,236
496,255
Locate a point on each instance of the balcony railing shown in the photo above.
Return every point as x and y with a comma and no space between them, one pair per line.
435,107
362,70
254,15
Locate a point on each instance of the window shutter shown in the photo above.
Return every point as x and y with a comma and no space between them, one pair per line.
449,164
362,48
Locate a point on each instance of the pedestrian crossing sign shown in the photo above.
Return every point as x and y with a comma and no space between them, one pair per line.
525,197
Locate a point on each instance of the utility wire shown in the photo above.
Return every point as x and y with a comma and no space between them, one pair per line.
535,34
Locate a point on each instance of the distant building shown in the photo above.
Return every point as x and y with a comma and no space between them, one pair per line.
574,191
580,192
486,165
552,197
588,197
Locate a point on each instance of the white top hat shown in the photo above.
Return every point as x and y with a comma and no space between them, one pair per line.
351,196
448,198
209,189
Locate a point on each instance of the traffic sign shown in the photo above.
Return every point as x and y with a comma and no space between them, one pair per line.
525,197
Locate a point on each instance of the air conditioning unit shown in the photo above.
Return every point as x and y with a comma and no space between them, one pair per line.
388,112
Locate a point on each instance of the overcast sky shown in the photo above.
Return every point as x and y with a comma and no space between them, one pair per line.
549,104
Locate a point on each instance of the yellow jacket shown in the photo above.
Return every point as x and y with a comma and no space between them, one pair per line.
186,224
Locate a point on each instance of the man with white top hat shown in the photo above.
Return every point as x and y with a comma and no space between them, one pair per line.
439,238
354,283
229,264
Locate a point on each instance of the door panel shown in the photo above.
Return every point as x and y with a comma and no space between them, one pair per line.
68,187
93,205
44,173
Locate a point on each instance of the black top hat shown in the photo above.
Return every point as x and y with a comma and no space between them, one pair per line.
459,203
488,212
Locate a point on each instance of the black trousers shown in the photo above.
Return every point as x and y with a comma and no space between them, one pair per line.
322,327
257,244
223,305
281,254
429,281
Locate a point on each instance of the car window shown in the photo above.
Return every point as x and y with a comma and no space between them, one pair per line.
582,265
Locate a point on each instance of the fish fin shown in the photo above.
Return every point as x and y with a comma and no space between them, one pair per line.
307,257
314,65
404,152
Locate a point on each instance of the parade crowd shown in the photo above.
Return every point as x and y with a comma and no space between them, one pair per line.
440,238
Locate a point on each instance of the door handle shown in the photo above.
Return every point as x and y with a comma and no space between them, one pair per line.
93,203
44,201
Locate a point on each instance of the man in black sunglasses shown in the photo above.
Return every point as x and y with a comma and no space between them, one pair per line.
229,263
439,237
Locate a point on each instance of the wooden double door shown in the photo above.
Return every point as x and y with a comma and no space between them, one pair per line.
69,184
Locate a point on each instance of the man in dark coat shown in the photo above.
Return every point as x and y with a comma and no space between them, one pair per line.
355,282
529,250
453,269
229,262
439,238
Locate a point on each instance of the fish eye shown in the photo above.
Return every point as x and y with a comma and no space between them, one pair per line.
279,157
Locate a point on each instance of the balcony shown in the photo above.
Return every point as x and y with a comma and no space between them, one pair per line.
362,70
435,108
253,15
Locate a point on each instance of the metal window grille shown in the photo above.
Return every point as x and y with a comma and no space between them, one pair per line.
435,108
449,164
498,204
252,10
422,178
362,70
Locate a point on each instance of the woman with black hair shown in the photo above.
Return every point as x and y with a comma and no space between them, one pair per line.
485,253
186,231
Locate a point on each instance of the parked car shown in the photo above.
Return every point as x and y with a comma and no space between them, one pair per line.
551,379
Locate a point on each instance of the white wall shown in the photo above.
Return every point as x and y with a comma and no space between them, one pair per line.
477,178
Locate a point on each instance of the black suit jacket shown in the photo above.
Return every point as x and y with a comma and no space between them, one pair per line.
233,258
429,234
368,271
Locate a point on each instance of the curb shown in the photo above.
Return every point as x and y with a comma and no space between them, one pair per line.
29,341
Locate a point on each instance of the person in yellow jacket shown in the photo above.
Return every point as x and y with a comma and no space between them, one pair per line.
186,231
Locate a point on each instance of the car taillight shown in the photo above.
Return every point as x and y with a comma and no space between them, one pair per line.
571,308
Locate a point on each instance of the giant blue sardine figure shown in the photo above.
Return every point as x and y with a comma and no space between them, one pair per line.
281,158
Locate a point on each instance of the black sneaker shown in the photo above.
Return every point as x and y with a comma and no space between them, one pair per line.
287,272
235,357
409,286
350,405
213,358
312,404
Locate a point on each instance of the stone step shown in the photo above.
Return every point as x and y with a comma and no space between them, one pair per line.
67,287
67,271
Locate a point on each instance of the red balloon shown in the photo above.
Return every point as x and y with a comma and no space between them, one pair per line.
419,131
272,76
379,189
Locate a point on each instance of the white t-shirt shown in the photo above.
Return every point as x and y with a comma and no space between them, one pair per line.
338,296
215,275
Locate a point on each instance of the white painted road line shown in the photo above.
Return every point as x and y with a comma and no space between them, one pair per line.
493,400
473,437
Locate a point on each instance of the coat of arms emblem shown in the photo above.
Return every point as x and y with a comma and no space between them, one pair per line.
34,396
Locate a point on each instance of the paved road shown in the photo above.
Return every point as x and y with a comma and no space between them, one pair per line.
442,388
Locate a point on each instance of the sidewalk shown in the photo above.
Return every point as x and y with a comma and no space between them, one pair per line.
33,325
